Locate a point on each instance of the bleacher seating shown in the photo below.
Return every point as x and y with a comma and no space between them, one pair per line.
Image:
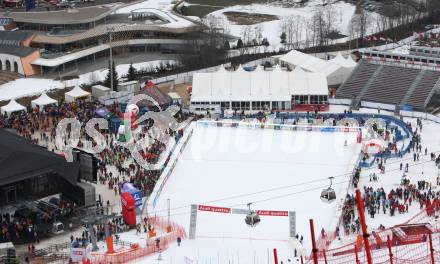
7,76
392,85
358,79
424,88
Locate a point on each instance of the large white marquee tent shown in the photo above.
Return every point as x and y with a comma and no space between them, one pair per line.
12,107
255,90
336,70
43,100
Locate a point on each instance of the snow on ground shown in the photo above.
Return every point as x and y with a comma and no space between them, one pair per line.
343,12
157,4
27,87
121,69
402,50
423,169
33,86
221,163
161,8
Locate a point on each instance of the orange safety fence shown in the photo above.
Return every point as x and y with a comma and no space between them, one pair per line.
169,233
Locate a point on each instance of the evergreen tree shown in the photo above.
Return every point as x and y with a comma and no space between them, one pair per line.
227,46
107,82
131,74
239,43
265,42
283,38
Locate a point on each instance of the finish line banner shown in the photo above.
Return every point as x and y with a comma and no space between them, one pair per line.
214,209
272,213
227,210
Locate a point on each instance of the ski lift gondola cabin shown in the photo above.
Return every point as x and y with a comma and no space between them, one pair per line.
328,195
252,218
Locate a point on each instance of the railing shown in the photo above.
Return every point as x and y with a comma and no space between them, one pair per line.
415,114
123,243
167,170
52,249
136,252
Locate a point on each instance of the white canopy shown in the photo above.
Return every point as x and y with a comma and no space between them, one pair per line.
343,62
76,93
12,107
308,83
258,85
309,62
43,100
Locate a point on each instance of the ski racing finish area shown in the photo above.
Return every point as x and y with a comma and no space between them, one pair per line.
278,171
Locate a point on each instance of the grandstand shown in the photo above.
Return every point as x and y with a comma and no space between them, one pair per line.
390,84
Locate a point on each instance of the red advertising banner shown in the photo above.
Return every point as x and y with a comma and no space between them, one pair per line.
214,209
272,213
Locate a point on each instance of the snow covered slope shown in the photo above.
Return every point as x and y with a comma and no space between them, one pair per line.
277,170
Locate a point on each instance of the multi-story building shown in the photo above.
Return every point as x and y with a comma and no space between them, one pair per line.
56,41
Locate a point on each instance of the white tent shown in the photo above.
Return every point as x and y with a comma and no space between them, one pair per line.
12,107
351,61
343,62
256,86
43,100
336,71
309,63
308,83
75,94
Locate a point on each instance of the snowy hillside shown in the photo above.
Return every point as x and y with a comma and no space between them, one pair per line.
340,13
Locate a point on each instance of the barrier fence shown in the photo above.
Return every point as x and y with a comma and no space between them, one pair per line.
415,248
258,125
153,246
168,169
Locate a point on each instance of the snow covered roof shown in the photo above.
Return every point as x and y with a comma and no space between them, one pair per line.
43,100
11,107
343,62
309,62
258,85
27,87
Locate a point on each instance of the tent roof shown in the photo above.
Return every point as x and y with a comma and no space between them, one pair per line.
12,106
162,98
20,160
77,92
309,62
309,83
44,99
258,85
350,59
343,62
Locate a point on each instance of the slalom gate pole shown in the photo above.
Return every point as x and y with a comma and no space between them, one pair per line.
325,256
302,260
431,248
389,249
275,255
314,249
356,254
365,234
